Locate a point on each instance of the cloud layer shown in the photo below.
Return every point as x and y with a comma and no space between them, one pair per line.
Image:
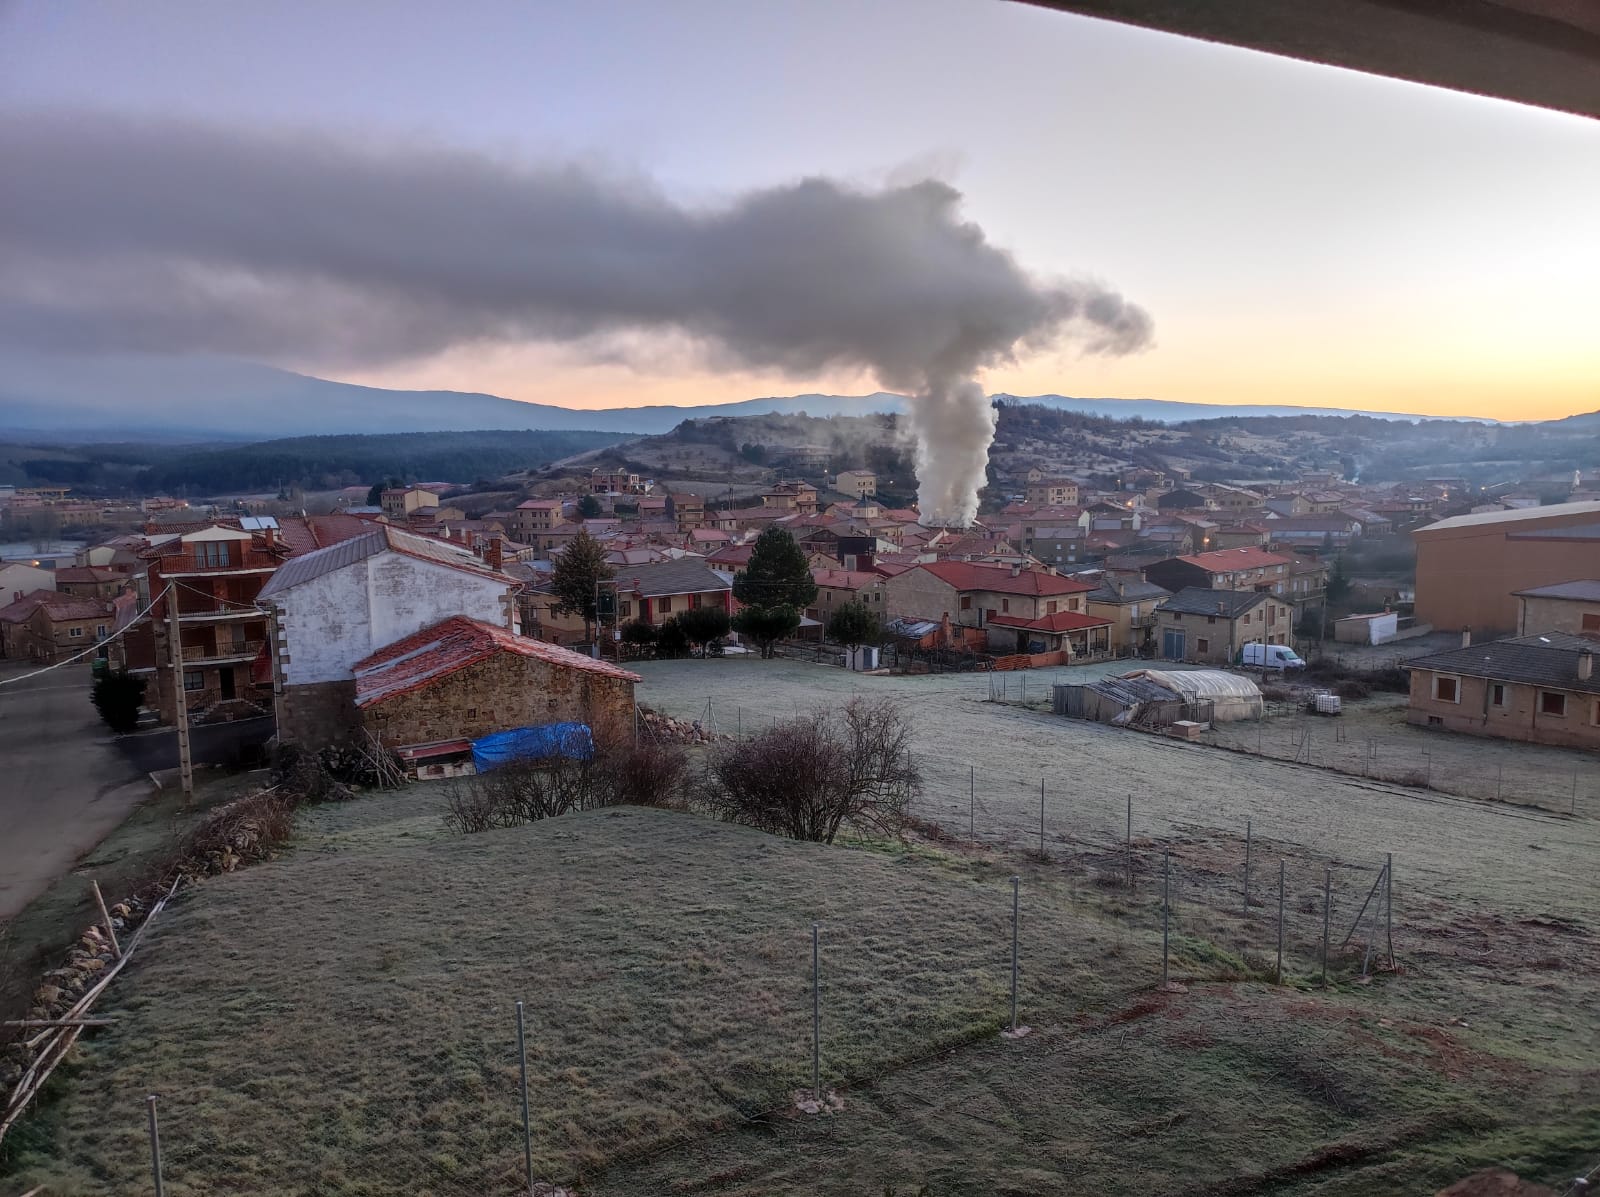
174,237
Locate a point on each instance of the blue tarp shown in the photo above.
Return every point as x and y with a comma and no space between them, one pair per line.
571,740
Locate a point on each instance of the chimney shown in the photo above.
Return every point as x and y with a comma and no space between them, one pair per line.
1585,664
1466,637
271,535
494,556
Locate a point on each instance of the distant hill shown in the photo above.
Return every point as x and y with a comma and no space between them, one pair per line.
137,397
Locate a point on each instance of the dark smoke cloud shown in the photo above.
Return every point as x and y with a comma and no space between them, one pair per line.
175,237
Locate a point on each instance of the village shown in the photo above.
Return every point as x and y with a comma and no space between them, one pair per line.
264,625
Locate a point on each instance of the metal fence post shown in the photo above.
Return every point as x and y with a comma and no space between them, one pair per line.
1041,818
1166,891
1327,914
1247,839
155,1145
1388,906
972,803
527,1132
1016,910
1130,843
816,1017
1279,980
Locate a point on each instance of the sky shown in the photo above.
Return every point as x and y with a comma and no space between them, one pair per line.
1296,234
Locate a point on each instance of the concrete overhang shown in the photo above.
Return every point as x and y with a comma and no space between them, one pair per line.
1540,52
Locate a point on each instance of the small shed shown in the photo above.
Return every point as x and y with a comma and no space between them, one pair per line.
1121,702
1378,627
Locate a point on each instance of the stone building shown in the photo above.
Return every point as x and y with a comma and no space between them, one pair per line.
460,679
1213,626
338,605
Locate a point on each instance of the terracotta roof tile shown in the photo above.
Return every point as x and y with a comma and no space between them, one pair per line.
451,645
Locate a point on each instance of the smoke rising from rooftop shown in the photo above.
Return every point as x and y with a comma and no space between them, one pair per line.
172,237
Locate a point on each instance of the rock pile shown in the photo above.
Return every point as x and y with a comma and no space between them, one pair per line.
60,988
664,729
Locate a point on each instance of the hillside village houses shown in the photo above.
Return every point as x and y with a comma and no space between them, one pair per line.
282,616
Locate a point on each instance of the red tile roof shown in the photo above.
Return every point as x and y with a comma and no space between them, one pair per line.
845,579
965,575
451,645
89,573
59,606
1220,561
1061,621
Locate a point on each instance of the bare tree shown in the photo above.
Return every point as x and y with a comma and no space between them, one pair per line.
809,777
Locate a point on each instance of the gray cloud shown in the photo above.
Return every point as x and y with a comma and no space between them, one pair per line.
176,237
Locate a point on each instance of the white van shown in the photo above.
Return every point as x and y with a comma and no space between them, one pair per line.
1270,656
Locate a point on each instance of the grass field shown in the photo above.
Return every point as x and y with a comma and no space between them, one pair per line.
339,1021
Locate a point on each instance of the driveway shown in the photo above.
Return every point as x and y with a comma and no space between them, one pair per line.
63,785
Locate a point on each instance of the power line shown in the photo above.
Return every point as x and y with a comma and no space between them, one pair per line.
95,647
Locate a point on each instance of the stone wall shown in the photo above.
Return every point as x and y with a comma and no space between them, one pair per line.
506,691
316,715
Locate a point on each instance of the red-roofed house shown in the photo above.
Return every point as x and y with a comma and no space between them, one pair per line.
461,678
89,581
835,587
972,594
1248,568
1078,634
47,625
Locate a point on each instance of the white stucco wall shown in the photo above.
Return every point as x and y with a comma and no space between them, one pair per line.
328,624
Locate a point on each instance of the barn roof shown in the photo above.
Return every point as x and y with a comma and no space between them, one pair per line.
451,645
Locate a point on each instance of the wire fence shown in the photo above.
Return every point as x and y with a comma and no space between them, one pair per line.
1487,770
485,1119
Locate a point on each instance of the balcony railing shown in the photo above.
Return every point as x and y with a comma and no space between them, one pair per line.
243,649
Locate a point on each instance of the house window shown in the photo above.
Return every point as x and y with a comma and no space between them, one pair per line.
1446,689
626,609
1553,702
1591,623
665,604
213,554
1497,694
74,632
1005,604
966,602
100,631
194,679
1202,645
1211,619
1050,607
694,600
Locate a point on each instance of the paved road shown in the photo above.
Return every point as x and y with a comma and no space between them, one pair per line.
63,786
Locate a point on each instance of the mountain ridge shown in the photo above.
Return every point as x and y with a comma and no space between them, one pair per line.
137,397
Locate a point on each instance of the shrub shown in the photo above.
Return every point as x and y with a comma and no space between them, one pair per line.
671,640
702,625
767,625
546,788
807,778
1351,688
118,697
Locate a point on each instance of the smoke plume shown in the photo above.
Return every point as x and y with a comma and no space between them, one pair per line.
171,237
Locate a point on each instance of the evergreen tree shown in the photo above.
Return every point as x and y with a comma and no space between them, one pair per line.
118,696
588,507
854,624
702,625
767,625
777,574
574,581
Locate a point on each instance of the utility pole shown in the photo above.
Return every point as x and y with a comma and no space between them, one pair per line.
180,699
